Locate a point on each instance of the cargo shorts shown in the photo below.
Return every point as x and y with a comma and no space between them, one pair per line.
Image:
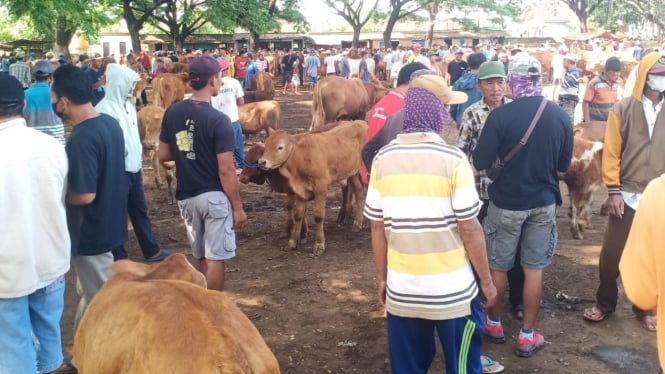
503,229
209,221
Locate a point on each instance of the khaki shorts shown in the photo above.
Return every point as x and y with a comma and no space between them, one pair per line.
209,222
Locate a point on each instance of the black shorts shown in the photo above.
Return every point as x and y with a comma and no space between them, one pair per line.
288,75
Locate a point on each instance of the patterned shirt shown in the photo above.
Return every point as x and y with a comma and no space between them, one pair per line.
420,188
601,96
21,71
473,120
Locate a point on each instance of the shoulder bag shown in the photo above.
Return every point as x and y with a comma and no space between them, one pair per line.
495,170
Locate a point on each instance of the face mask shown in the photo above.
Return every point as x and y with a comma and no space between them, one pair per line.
54,106
656,82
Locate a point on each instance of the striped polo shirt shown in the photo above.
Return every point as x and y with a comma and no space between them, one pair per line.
39,113
420,187
601,97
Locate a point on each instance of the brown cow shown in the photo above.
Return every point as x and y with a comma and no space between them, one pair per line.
336,98
545,59
259,116
263,82
310,162
256,96
177,67
169,88
272,64
150,124
593,131
583,178
167,307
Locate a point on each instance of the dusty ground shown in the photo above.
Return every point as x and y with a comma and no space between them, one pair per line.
320,315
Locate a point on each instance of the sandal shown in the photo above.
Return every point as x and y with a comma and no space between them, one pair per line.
594,314
490,366
648,319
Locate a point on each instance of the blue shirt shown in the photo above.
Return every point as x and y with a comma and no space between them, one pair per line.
530,179
466,83
38,112
196,132
363,67
96,154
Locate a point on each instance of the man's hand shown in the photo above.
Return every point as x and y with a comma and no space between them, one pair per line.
489,292
614,204
382,293
239,218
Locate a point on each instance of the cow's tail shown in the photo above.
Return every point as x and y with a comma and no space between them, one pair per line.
318,116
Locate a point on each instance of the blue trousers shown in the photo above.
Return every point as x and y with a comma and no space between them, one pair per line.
30,338
239,152
412,346
137,208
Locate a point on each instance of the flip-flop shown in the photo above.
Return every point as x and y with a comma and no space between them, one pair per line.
594,314
649,322
490,366
518,311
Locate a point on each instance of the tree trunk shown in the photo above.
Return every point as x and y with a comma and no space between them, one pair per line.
62,40
390,25
356,36
136,39
253,40
430,31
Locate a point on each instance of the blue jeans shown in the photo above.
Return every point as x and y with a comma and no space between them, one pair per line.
239,152
137,208
36,315
412,347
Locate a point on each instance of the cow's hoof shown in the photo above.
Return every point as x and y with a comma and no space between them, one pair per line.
356,227
319,248
303,240
576,234
292,244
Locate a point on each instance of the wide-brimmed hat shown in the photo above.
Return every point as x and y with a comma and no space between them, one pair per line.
437,85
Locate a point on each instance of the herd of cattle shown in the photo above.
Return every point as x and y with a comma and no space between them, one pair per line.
141,305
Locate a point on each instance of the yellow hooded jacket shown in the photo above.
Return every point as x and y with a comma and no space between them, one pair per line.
630,158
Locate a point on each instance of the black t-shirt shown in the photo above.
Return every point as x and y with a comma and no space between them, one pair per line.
456,70
96,154
196,132
95,76
288,61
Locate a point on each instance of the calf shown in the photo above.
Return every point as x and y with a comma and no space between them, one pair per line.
150,124
583,178
310,162
263,82
259,116
255,96
162,319
169,88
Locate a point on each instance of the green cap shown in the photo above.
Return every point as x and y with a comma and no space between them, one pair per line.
491,69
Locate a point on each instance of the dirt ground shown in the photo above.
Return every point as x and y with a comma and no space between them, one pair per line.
320,315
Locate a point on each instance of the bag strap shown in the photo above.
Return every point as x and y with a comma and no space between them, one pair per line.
527,134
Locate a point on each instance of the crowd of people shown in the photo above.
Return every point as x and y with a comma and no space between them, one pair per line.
453,227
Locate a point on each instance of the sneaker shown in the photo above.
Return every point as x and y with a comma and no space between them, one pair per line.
527,347
494,332
160,256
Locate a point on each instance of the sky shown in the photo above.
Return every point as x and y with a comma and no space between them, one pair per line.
322,18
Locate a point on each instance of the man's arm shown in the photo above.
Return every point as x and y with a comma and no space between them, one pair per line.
474,244
380,252
585,111
164,152
77,198
229,181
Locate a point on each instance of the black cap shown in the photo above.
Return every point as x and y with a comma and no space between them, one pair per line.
11,92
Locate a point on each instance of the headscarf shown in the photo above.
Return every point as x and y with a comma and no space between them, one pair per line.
525,86
423,112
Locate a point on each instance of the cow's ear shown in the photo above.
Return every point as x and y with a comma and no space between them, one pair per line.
130,267
270,131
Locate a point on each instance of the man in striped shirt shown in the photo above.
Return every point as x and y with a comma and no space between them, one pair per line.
602,92
38,111
422,204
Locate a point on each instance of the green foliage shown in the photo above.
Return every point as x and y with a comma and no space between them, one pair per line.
47,16
12,28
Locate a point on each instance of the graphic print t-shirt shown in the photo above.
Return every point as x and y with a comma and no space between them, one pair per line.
196,132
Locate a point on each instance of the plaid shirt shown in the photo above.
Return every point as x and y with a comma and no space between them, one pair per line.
473,120
21,71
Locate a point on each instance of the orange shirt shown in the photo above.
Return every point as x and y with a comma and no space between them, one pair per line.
601,96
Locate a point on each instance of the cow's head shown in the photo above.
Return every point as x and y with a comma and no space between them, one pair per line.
278,150
174,267
251,171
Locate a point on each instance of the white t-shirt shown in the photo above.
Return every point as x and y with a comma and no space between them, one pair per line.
330,64
226,100
35,247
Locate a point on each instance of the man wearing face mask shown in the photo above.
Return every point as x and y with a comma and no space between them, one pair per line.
633,155
118,103
97,186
